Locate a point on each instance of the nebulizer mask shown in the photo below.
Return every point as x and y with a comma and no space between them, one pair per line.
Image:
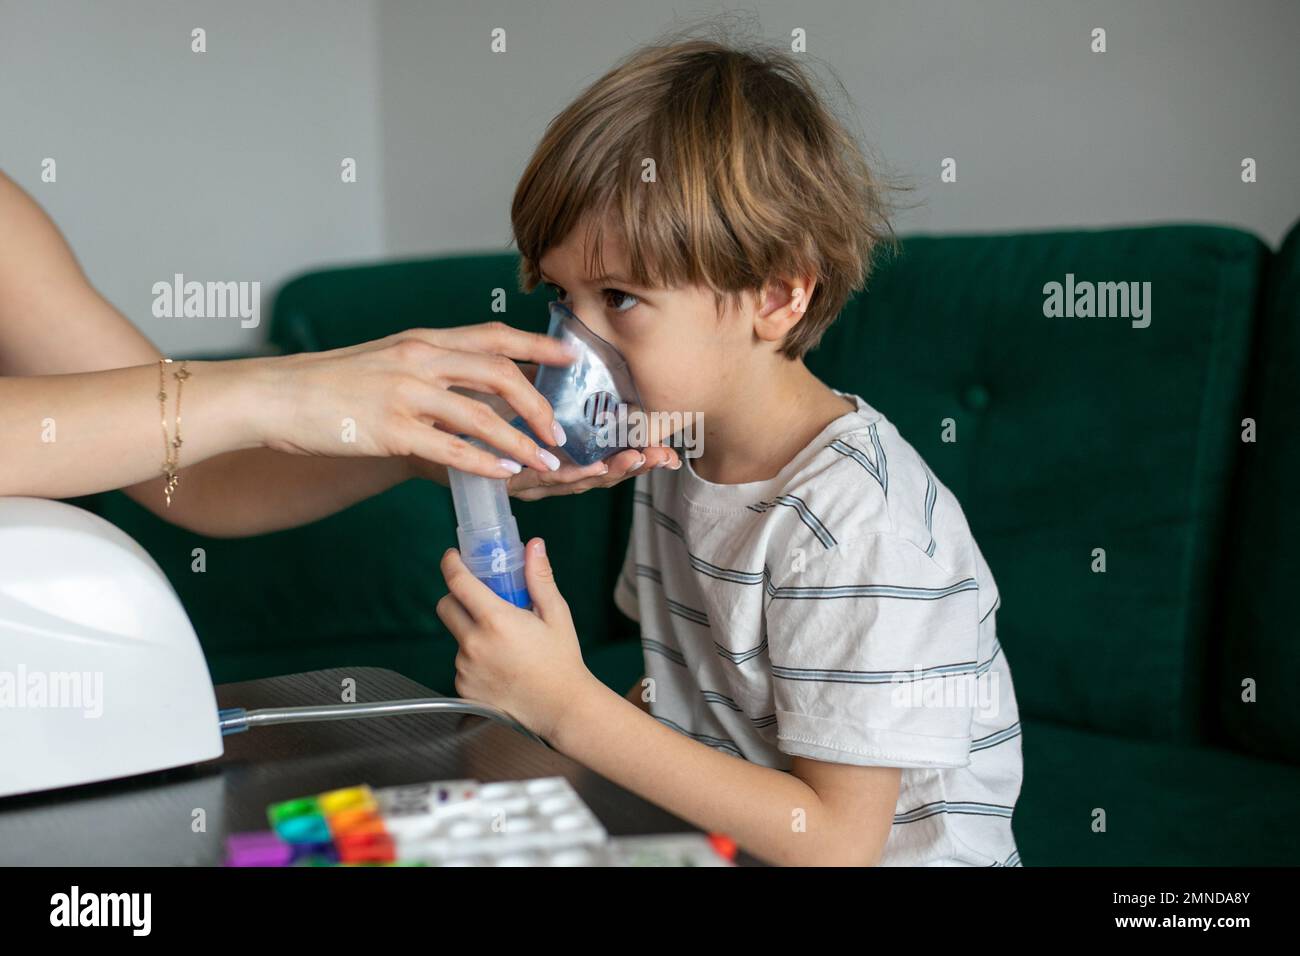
591,397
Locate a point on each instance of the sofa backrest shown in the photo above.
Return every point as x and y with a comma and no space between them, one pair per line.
1260,630
1062,436
1073,442
1070,439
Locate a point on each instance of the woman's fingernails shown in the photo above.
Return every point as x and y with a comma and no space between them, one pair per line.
677,463
604,469
511,466
640,462
558,433
549,460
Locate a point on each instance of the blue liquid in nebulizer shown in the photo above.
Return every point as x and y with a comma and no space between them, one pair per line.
598,381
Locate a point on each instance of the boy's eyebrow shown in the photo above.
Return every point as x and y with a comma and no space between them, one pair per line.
621,280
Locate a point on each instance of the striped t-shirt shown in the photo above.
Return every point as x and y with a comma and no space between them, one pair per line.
840,611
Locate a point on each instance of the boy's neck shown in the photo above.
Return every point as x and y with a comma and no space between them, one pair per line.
766,423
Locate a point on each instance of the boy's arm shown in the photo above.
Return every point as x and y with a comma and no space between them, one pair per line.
820,814
529,664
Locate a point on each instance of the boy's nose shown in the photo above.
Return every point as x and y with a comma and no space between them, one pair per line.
591,313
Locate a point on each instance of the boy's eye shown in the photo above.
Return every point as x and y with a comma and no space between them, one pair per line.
618,300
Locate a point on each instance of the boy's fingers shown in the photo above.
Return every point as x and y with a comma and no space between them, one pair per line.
453,614
474,596
546,597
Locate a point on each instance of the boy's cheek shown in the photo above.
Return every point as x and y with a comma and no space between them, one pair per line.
671,380
678,366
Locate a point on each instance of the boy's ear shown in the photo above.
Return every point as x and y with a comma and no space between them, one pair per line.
783,303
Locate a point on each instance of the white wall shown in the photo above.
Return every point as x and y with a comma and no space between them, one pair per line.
225,165
1046,134
221,166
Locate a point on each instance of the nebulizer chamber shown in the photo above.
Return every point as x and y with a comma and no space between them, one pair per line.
488,535
588,397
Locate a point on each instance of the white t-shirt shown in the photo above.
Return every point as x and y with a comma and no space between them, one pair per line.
840,611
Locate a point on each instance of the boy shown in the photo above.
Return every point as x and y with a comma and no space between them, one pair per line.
811,600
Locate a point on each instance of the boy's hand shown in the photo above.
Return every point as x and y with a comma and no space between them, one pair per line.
527,663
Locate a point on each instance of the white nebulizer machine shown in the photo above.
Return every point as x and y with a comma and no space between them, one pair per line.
589,397
101,673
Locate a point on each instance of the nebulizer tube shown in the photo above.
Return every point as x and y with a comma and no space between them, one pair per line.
237,720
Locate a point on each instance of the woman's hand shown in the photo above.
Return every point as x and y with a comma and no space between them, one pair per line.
394,397
571,479
568,479
68,358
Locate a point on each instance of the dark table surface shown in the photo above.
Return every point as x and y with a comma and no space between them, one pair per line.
182,816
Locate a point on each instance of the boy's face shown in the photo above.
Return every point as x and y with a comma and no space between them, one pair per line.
684,355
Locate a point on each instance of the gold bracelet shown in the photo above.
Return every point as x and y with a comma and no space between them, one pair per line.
171,446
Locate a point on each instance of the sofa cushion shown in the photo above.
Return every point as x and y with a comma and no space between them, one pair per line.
1261,641
1165,804
1074,434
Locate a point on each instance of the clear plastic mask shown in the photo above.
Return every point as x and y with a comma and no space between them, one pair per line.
589,396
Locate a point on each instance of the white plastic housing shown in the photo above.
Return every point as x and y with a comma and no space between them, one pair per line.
101,673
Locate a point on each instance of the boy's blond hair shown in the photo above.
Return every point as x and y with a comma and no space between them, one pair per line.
753,179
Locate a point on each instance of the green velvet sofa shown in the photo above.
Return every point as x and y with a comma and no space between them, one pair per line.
1077,440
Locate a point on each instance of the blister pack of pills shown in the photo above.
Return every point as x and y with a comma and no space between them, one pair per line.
541,822
520,823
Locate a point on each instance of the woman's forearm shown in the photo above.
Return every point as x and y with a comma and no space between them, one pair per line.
636,694
71,435
266,443
77,434
260,490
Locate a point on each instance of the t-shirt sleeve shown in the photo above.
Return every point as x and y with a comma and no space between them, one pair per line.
625,598
873,649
